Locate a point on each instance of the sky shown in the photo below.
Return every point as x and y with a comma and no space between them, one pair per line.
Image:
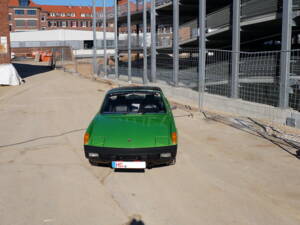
73,2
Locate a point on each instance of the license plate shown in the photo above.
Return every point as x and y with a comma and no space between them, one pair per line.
128,165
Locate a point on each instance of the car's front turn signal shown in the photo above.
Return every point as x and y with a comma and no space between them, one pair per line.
86,138
174,138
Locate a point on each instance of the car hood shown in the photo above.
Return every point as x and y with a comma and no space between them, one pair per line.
131,131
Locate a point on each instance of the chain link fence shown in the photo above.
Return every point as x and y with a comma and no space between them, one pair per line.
258,80
259,77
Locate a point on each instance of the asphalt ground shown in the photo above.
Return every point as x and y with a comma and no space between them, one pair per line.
222,176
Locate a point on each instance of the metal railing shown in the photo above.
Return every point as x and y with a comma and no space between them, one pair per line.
76,45
218,67
219,18
162,2
164,40
222,18
122,9
258,78
188,31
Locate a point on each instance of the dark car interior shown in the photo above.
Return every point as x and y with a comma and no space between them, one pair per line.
133,102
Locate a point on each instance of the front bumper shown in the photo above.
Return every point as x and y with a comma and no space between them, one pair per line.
152,156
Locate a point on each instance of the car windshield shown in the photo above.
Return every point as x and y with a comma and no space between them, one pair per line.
133,103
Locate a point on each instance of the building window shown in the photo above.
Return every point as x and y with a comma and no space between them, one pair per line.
9,17
63,23
82,15
43,18
31,12
52,14
19,12
88,44
52,24
20,23
43,28
73,23
23,3
31,23
10,27
83,23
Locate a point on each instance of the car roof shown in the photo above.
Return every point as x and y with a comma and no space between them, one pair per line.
134,88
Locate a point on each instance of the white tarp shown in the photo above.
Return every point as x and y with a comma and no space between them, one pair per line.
9,75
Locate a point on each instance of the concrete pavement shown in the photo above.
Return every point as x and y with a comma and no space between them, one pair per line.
222,175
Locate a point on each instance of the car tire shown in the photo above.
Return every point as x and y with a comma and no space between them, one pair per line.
173,162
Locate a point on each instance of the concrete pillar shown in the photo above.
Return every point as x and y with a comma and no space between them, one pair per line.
129,41
116,39
202,51
145,73
95,67
104,38
285,54
236,43
153,40
175,41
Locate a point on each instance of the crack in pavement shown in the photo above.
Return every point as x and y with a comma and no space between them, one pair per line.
105,177
100,180
43,137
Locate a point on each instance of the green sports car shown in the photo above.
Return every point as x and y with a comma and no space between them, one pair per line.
135,128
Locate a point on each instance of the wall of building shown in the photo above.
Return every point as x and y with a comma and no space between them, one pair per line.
29,52
4,33
51,17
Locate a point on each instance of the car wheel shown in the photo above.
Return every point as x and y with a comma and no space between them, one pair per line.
173,162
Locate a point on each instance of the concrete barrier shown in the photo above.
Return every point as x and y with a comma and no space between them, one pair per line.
226,105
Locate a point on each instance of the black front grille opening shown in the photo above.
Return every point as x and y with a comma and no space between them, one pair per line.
129,158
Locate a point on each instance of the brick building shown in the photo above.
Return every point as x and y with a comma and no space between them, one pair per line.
26,15
4,33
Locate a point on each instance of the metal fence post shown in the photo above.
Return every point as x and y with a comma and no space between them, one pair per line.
76,65
175,41
104,37
285,53
145,74
153,40
236,42
116,40
202,52
62,58
129,41
94,39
